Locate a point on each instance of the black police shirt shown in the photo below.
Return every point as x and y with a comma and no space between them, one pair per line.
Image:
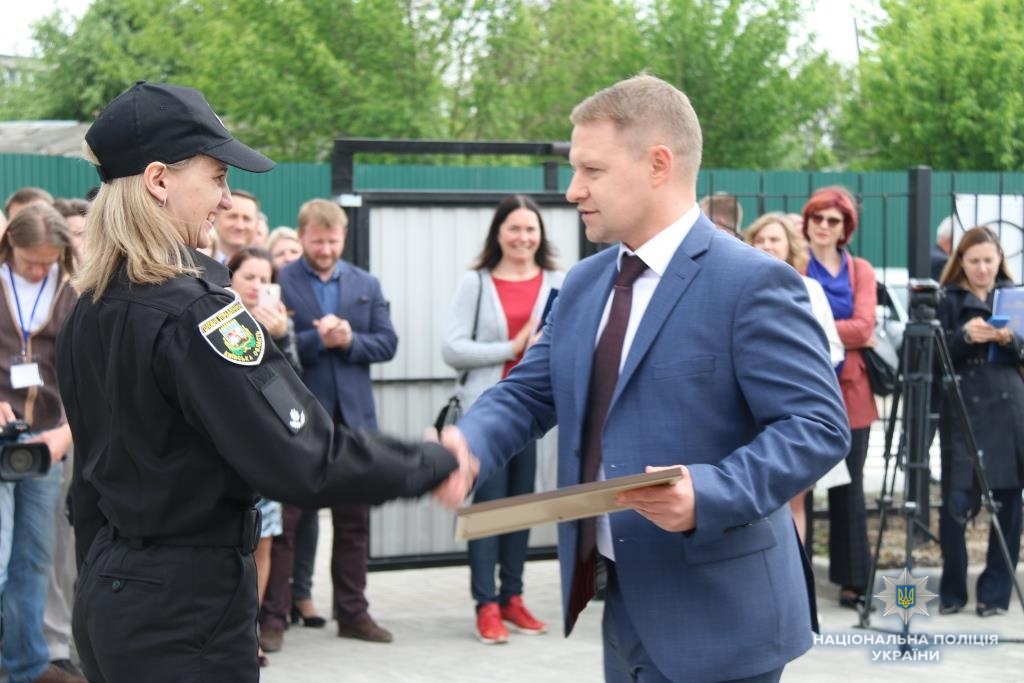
182,409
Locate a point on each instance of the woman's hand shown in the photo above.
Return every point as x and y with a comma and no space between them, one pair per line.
977,331
522,339
6,413
275,319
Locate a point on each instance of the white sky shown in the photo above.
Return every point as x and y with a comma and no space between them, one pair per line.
831,20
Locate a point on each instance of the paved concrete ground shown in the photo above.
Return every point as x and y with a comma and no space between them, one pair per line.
431,614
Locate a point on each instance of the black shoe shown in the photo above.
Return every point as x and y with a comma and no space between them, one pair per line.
856,602
950,609
984,610
315,621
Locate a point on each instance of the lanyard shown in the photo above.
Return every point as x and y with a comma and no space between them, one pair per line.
25,333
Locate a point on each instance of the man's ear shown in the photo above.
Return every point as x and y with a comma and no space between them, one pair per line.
662,164
155,177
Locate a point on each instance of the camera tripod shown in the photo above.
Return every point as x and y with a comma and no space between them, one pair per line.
923,340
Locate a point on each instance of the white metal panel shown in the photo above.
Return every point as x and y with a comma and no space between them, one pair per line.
418,253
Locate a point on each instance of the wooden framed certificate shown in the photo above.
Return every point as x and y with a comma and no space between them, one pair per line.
562,505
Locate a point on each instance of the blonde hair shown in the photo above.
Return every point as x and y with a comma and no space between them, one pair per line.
126,226
39,225
278,234
797,246
648,111
321,212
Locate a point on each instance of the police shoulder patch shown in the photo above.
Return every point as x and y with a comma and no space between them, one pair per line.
234,334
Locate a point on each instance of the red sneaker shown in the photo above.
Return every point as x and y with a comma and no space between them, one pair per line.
489,628
524,622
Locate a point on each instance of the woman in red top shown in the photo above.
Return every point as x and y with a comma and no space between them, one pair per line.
830,219
493,318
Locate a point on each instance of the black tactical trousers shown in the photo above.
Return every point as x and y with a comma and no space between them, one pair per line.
161,613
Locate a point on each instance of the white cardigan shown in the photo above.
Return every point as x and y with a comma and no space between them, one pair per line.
823,312
484,357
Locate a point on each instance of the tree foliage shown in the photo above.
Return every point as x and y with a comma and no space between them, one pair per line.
290,75
942,86
756,99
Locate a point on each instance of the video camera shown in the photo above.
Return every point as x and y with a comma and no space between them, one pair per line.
924,298
19,460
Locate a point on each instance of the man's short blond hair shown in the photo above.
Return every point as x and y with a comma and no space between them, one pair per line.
321,212
648,111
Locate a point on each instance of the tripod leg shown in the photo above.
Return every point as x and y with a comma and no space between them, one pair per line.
885,498
994,583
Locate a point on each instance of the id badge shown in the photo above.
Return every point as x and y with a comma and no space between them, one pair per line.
25,372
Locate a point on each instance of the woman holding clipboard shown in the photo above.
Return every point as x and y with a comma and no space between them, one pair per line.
492,320
993,393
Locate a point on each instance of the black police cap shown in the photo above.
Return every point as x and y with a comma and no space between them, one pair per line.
168,123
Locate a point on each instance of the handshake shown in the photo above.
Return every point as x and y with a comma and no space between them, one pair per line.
453,490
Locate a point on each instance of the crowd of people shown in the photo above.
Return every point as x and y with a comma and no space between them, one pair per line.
295,306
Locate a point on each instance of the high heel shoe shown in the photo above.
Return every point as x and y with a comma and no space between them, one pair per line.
315,621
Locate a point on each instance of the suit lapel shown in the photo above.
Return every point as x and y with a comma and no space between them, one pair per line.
680,274
304,289
346,293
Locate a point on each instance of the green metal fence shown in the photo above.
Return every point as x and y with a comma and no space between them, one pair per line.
883,195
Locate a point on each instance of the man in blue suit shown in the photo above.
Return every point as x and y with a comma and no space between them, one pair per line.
703,353
342,325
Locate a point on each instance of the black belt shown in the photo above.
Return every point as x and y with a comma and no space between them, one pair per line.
242,532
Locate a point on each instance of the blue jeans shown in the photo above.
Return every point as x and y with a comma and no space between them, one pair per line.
508,551
25,655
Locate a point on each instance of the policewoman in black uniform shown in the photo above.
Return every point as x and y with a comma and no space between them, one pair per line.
182,408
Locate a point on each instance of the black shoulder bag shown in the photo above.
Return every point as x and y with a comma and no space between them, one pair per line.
452,410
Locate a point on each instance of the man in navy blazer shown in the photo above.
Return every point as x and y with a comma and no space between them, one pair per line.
342,325
722,370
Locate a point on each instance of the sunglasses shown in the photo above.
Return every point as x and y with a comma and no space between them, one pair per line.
830,221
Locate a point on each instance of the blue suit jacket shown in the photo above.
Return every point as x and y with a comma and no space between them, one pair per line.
729,375
341,378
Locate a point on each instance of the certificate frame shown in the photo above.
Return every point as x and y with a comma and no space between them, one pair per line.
516,513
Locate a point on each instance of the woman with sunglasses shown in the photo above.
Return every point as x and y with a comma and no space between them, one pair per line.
830,218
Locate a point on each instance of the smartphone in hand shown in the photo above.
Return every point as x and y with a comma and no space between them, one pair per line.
998,321
270,295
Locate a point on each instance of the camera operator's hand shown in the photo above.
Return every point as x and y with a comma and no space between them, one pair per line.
58,440
6,413
977,331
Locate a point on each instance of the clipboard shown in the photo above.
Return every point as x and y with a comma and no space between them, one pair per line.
563,505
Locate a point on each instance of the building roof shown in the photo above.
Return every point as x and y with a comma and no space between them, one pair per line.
60,138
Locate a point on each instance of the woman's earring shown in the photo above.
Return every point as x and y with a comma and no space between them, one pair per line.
162,203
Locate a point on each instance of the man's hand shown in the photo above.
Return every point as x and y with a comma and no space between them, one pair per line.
671,507
58,440
453,490
335,332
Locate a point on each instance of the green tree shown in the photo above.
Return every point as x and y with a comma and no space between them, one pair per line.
761,104
289,76
942,85
116,43
538,59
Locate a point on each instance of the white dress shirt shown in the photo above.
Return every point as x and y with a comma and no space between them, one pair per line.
656,252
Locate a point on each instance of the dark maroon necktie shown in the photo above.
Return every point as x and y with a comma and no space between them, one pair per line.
603,377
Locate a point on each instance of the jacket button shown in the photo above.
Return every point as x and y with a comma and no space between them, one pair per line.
116,585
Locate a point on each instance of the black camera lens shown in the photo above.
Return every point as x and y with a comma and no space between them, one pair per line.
21,460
